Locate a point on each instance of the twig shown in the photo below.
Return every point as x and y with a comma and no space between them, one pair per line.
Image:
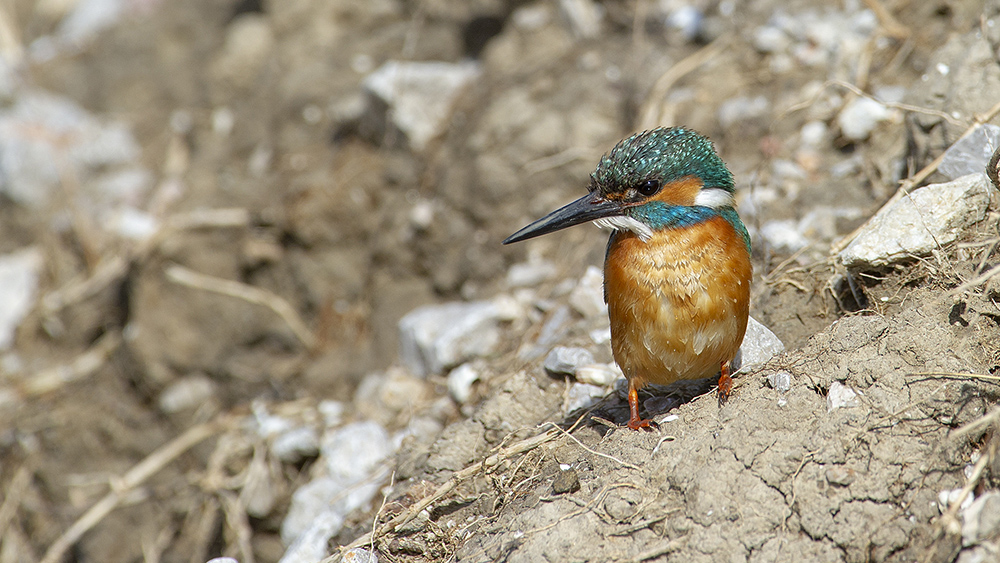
597,498
135,477
579,443
15,492
908,184
981,278
184,276
888,21
385,497
662,549
81,367
957,375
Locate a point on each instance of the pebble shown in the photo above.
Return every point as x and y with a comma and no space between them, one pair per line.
582,396
186,393
919,222
584,17
780,381
949,496
841,396
359,555
566,481
601,375
460,381
742,108
981,519
437,337
860,117
588,295
419,95
840,475
759,346
222,560
18,284
530,273
566,360
971,154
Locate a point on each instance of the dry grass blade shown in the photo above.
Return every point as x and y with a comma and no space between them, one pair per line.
135,477
651,114
81,367
183,276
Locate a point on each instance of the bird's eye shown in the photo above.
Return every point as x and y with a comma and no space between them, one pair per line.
648,187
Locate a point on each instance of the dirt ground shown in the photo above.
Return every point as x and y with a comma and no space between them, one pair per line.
271,167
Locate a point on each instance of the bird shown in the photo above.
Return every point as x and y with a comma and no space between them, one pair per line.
677,269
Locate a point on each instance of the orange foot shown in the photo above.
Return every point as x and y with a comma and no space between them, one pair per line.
725,384
634,421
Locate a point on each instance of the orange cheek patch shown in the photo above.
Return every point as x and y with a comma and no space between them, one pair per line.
680,192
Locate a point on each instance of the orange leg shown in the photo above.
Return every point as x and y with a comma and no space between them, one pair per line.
725,383
634,422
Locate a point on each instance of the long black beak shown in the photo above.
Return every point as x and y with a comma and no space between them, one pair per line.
588,208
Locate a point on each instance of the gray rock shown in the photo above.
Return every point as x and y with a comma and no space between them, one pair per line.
420,95
186,393
981,520
436,337
583,395
530,273
352,457
359,555
759,345
780,381
971,154
920,222
841,396
566,360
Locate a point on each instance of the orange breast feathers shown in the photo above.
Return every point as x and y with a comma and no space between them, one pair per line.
678,303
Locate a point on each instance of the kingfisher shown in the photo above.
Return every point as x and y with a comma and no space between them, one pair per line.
677,268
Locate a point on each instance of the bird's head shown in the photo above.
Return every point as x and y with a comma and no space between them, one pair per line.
651,180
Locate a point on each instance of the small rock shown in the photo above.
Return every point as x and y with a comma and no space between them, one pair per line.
981,519
296,444
588,295
860,117
460,382
566,481
599,374
600,335
18,284
840,475
566,360
186,393
310,545
759,345
947,497
742,108
530,273
920,222
841,396
971,154
582,396
436,337
780,381
359,555
222,560
420,95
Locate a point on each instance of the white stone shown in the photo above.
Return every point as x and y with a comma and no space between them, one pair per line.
759,345
530,273
566,360
588,295
420,95
841,396
583,395
460,381
186,393
359,555
18,285
584,17
436,337
919,222
780,381
599,374
860,117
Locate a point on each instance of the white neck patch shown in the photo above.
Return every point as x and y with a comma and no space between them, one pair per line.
714,198
623,223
